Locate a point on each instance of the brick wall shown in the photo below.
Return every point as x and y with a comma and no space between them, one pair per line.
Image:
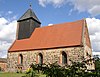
3,66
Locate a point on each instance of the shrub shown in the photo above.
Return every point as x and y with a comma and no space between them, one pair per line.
30,73
77,69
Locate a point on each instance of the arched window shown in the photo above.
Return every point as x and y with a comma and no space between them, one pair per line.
40,58
20,59
64,58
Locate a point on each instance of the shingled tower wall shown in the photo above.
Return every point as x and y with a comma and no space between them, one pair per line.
27,24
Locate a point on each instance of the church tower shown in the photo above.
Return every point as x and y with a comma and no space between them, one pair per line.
27,24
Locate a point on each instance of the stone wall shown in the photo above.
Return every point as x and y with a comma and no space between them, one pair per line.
88,57
49,56
3,66
88,50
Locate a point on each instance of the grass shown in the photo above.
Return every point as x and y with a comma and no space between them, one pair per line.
16,75
11,74
40,75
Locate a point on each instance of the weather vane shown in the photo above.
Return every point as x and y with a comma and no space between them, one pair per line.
30,5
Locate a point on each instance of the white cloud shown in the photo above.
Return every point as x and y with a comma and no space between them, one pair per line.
4,45
94,31
7,35
95,10
3,21
55,3
10,12
42,2
7,31
96,53
90,6
50,24
94,25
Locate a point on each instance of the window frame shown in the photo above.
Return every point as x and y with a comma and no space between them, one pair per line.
40,58
64,58
20,59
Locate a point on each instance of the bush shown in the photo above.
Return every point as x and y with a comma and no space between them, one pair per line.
77,69
55,70
30,73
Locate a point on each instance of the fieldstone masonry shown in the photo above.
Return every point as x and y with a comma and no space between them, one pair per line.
49,56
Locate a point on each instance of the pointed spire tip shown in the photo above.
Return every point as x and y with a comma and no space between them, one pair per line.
30,6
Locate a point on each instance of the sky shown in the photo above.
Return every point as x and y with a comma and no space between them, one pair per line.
49,12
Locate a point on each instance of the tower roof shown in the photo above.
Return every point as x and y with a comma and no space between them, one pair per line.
29,14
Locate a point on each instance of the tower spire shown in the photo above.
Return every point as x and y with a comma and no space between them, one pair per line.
27,24
30,5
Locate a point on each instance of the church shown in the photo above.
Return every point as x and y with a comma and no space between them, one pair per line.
61,43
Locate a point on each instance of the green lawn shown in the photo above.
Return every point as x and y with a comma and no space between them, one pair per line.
41,75
11,74
16,75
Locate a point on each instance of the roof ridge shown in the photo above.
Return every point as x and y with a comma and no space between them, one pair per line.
60,24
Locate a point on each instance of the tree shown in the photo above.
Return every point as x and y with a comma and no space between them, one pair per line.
97,65
77,69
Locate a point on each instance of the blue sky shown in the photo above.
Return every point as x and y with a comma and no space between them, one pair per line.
49,12
52,12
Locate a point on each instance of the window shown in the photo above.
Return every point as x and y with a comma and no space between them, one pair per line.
87,54
40,58
64,58
20,59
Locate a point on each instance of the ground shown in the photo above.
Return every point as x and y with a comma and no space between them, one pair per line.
15,75
11,74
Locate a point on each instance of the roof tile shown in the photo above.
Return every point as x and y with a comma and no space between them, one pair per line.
58,35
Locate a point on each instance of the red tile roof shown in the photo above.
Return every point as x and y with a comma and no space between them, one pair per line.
58,35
